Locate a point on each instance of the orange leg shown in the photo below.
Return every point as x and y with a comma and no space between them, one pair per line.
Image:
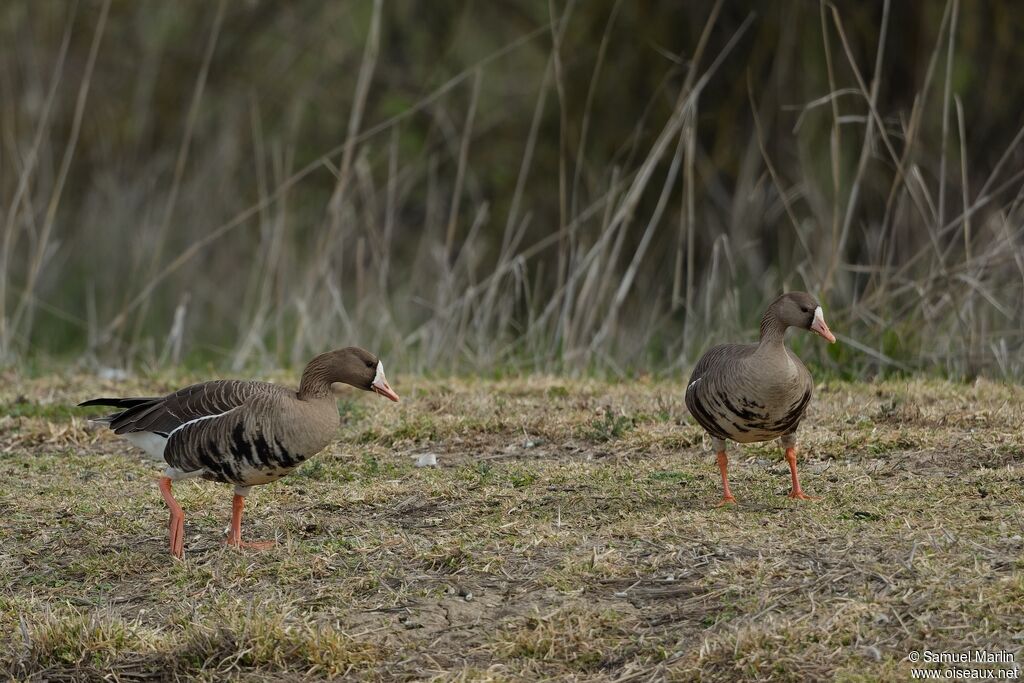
797,492
235,534
723,466
177,523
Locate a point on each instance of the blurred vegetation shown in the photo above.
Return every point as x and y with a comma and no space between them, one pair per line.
469,186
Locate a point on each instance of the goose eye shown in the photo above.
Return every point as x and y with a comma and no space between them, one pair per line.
370,364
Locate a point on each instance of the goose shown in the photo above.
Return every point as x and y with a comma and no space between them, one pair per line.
241,432
757,392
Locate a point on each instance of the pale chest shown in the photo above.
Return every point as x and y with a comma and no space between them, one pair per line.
758,401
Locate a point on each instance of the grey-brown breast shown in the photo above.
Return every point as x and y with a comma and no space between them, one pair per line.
736,395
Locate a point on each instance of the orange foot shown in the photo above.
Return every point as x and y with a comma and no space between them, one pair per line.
234,538
177,525
249,545
726,500
177,521
800,495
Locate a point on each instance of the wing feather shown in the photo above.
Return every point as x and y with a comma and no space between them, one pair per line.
711,371
165,414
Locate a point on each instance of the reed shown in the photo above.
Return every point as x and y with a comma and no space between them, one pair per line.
570,187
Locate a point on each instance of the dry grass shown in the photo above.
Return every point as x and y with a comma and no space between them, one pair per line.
569,532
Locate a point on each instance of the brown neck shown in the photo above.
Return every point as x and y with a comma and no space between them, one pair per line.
773,330
315,382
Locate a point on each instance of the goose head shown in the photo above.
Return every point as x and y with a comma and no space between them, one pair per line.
798,309
352,366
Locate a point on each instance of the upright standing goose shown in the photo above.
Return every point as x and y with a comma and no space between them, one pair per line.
242,432
757,392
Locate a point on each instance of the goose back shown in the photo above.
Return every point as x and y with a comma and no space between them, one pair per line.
163,414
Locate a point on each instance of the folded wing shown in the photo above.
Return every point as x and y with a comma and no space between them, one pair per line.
162,415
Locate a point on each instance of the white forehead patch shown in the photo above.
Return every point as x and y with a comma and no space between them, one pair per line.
819,317
379,377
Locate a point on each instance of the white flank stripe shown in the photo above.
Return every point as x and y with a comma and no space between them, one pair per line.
200,419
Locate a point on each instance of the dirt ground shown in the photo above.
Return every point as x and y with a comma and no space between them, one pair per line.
569,531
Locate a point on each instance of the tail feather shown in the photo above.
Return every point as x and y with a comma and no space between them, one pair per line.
127,405
117,402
